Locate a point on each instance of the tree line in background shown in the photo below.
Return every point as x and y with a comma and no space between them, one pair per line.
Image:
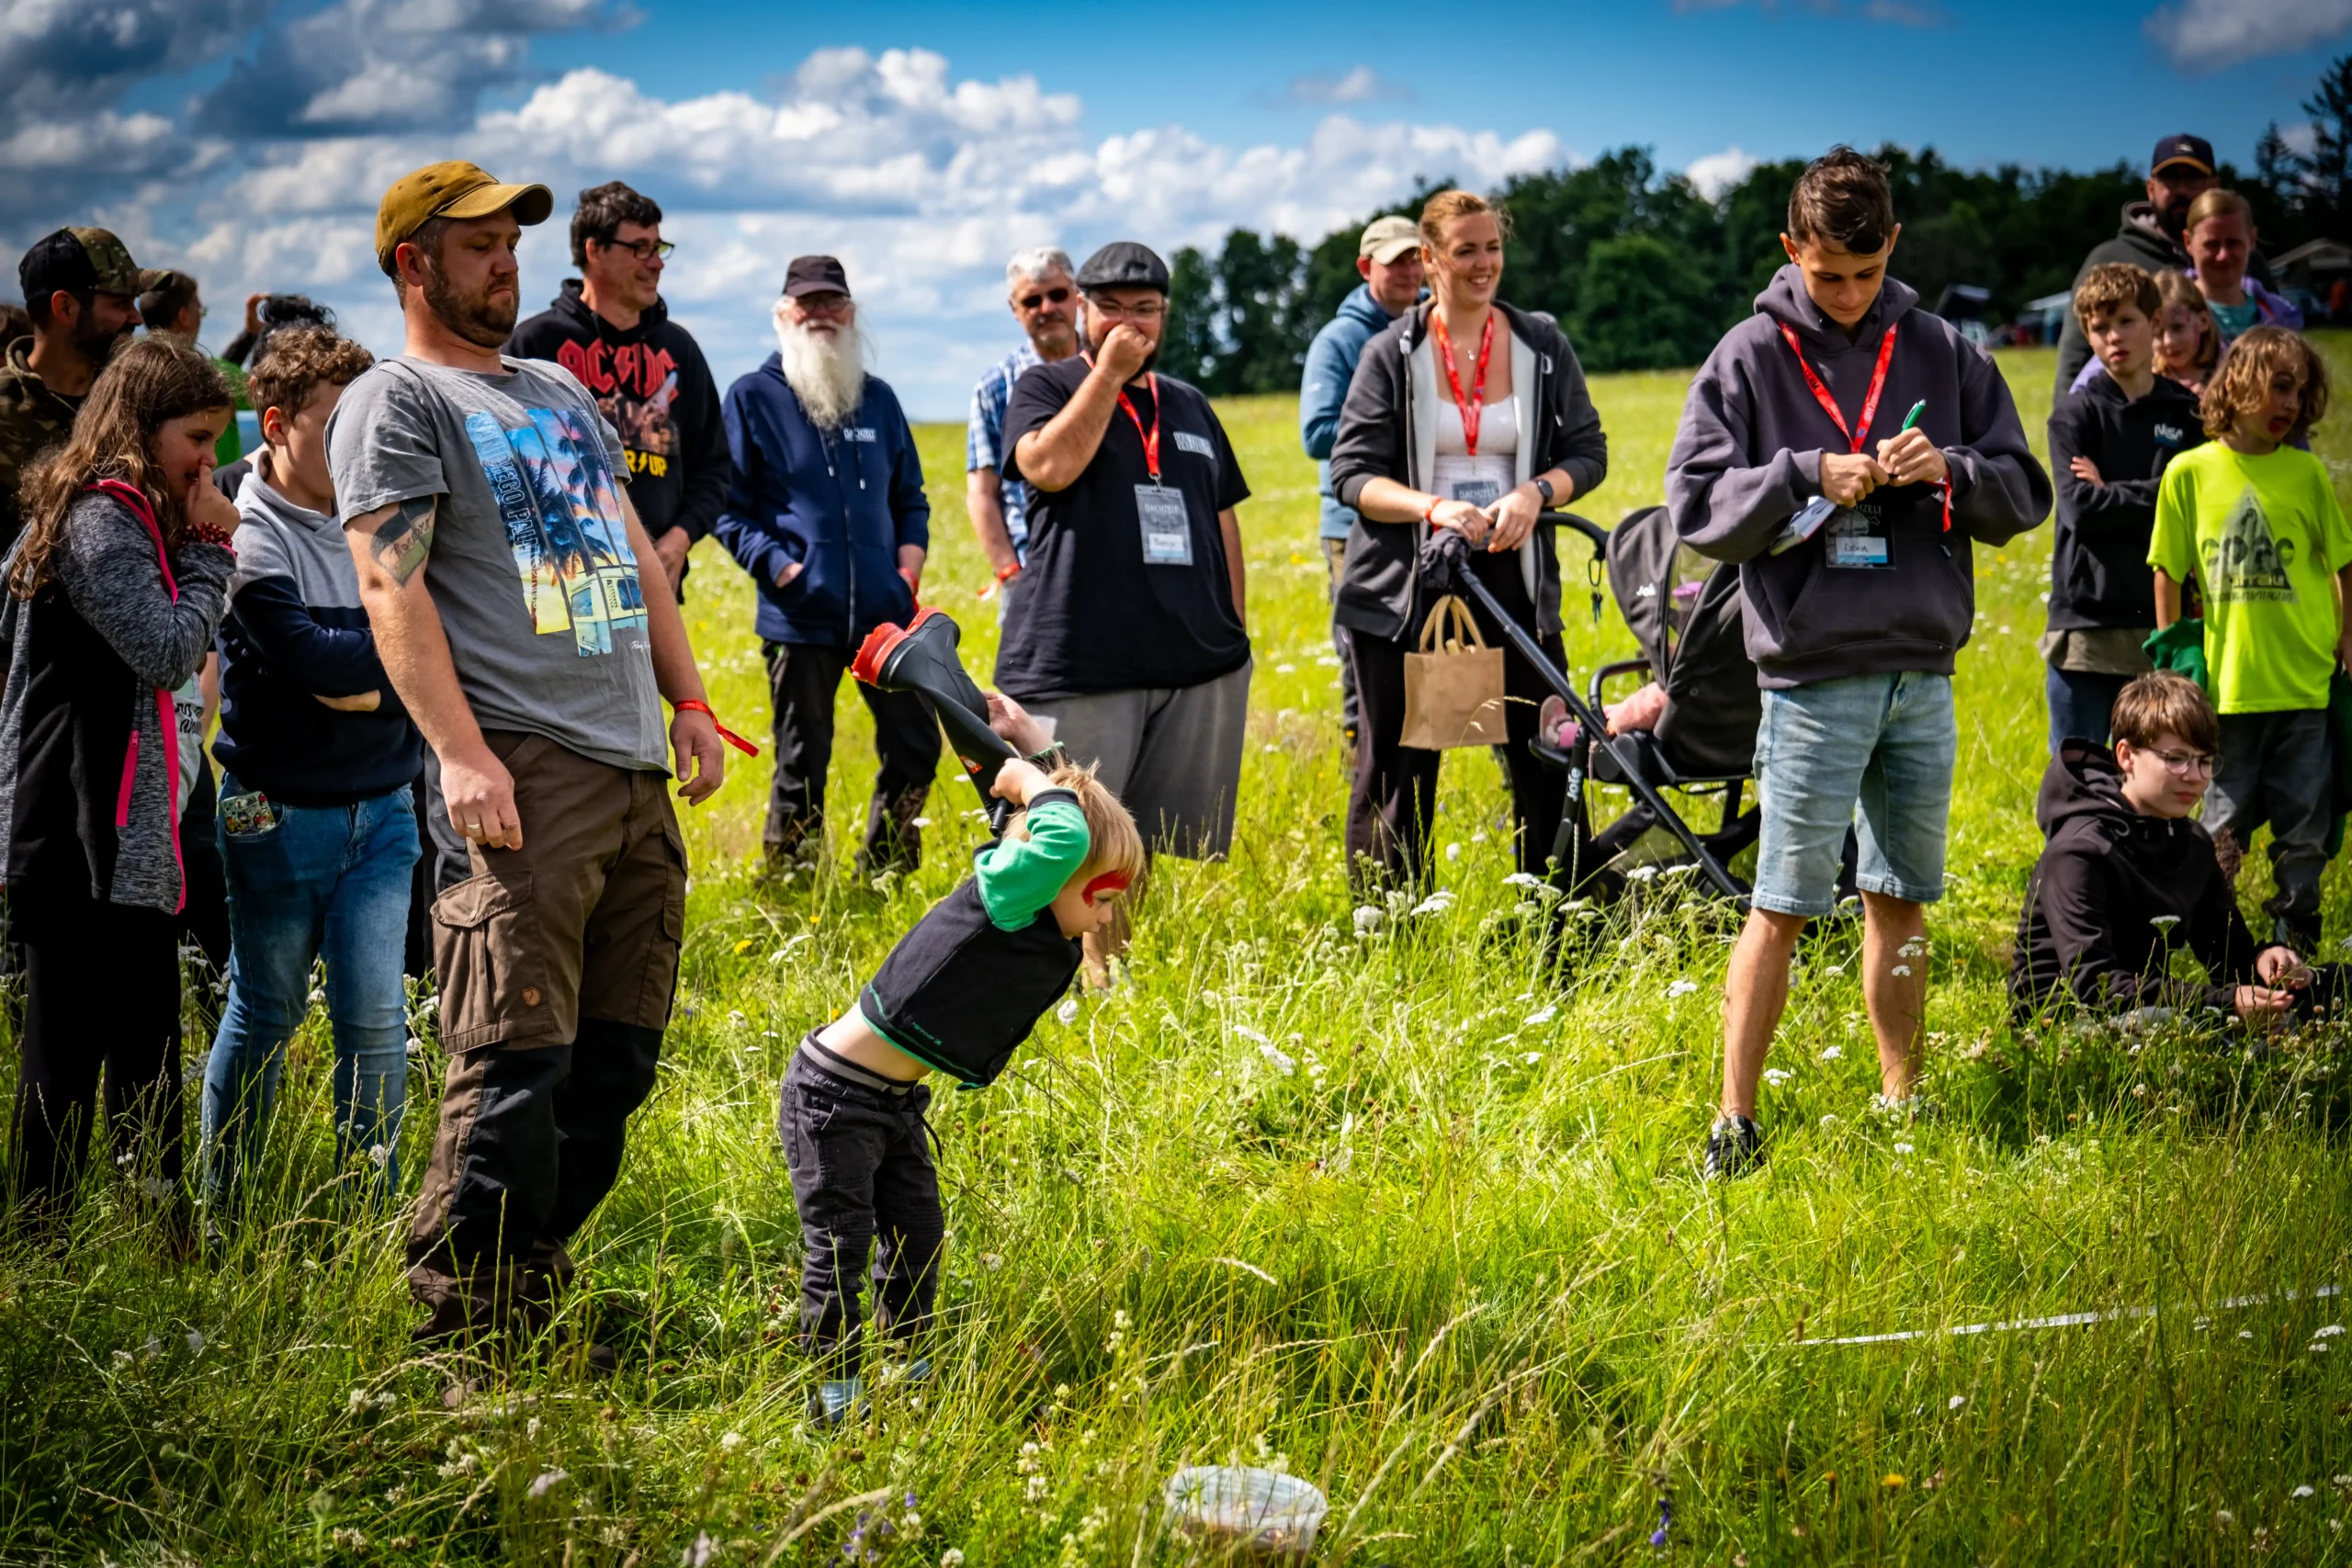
1645,272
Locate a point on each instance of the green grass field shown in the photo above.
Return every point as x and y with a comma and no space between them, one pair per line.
1412,1212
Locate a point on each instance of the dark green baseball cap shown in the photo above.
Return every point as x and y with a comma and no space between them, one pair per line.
83,261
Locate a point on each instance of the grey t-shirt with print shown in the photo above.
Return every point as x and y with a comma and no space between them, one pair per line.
531,568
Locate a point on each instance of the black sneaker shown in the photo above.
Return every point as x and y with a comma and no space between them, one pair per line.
1735,1147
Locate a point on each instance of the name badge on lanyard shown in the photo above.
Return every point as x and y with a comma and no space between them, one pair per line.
1857,540
1167,528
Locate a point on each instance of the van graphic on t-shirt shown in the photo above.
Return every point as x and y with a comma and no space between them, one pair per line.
562,515
2247,564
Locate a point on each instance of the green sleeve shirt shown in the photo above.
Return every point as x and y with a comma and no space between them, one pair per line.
1018,877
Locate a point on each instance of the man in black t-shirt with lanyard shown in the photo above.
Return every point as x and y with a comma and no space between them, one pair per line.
1130,640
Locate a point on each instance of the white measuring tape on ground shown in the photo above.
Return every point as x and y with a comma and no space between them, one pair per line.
2067,1320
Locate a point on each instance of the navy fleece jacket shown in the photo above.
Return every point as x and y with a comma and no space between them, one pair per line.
838,502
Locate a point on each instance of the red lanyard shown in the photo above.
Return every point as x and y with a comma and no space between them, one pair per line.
1151,437
1869,404
1829,404
1474,410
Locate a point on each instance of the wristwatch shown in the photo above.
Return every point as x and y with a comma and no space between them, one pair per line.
1544,488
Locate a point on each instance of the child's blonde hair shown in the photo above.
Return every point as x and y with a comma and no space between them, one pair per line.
1113,844
2177,287
2242,383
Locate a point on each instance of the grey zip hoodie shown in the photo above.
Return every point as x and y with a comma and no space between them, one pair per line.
1748,457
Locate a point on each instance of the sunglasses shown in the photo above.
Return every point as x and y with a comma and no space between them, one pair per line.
1053,296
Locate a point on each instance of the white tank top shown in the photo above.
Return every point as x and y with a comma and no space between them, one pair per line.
1498,428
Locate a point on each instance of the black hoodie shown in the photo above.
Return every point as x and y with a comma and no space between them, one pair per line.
652,383
1747,458
2099,574
2106,877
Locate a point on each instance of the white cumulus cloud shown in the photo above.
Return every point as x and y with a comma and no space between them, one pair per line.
1719,172
2205,35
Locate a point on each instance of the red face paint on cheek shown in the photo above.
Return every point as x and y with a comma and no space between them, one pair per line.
1109,882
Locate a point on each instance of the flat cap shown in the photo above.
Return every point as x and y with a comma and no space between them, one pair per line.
1124,263
451,189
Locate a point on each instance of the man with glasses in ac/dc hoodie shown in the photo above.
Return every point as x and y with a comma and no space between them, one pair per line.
1848,450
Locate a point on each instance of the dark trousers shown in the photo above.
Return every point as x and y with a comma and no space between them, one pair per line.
530,1143
2081,704
1335,560
802,679
860,1157
1392,810
2279,768
102,995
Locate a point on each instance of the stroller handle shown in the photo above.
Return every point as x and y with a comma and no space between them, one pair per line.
1593,532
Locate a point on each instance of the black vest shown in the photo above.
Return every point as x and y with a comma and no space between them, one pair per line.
959,992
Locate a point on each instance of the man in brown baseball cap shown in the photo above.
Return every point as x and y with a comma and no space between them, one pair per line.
455,190
81,290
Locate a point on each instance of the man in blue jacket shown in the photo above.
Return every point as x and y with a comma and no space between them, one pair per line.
1388,258
827,512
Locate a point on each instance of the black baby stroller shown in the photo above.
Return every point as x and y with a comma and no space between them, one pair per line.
1684,613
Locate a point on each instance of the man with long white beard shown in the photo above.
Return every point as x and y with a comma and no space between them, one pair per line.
828,514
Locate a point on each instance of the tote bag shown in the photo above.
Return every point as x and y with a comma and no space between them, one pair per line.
1453,686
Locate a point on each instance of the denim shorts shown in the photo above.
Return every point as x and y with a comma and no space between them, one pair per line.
1872,751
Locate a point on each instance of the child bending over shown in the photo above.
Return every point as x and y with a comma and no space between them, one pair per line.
957,995
2127,876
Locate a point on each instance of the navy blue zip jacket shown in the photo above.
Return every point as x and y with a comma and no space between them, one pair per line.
838,502
296,632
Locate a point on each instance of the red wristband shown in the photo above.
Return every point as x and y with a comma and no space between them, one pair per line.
1430,510
693,705
1009,571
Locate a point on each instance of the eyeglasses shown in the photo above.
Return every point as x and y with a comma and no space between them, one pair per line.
644,250
825,304
1052,296
2185,764
1149,310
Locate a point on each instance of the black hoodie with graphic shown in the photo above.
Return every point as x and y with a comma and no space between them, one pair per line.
1748,457
2100,575
653,384
2107,878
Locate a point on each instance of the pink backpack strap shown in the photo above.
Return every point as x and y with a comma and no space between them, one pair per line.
167,721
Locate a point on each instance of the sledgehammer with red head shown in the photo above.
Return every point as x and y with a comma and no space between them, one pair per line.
921,657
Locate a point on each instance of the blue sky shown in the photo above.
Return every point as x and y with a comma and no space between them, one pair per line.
247,139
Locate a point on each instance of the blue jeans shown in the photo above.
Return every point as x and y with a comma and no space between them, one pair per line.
1874,752
317,881
2081,704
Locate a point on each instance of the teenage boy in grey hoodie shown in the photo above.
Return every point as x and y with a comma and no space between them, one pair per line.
1847,449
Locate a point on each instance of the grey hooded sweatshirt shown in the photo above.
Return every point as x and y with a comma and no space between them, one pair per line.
1748,457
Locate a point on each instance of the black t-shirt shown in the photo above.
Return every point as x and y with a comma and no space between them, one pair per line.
1093,614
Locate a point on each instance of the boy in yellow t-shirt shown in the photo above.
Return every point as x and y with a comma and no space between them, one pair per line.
2256,523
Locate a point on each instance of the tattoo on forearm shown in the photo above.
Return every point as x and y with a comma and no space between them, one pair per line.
402,540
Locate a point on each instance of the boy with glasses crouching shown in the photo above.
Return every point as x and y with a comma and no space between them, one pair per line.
2127,877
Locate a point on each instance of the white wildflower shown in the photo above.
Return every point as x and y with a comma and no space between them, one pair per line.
547,1480
951,1558
1777,1075
357,1402
1681,989
1641,873
699,1554
1027,1464
1524,879
1832,1052
1067,1012
1281,1059
196,1341
1956,1401
1454,851
991,1261
1904,1149
1829,1121
1532,1059
1367,920
1901,969
2329,1332
1545,1014
1437,903
2300,1492
1036,1492
2164,923
730,1441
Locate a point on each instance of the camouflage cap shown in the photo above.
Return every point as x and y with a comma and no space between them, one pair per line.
81,260
451,189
